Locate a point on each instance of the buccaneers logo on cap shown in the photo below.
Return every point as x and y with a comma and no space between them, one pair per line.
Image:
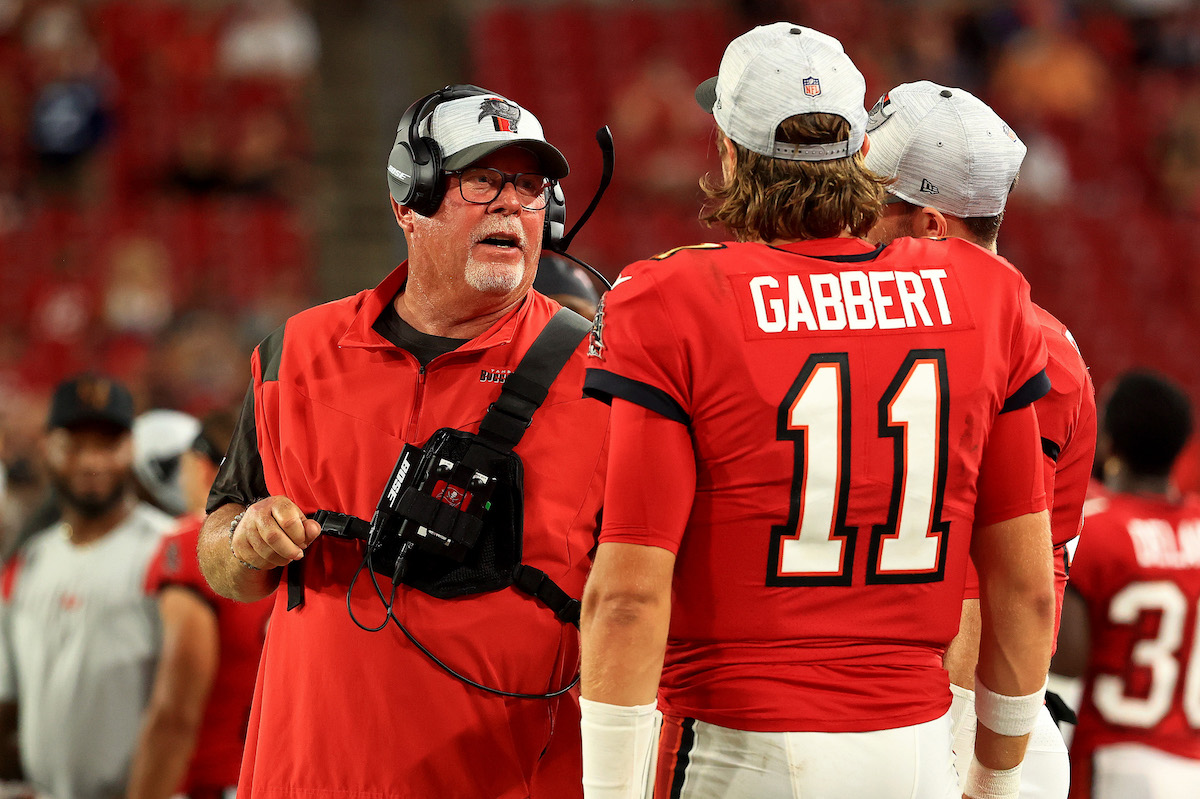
503,113
881,113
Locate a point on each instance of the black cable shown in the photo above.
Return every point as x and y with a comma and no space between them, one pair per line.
472,683
595,272
389,605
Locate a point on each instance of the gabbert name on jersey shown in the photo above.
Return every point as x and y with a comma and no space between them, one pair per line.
850,300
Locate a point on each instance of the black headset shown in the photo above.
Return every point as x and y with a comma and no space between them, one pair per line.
414,170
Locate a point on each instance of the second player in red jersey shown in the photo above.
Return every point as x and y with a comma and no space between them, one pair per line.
926,136
1132,616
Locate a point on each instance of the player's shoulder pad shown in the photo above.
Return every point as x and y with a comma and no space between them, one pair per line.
662,256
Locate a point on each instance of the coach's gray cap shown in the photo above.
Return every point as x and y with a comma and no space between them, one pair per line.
470,128
945,148
781,70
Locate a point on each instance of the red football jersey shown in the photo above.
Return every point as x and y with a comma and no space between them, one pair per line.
1067,419
241,628
1138,568
839,398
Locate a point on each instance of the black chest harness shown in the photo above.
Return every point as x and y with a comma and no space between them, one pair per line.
450,520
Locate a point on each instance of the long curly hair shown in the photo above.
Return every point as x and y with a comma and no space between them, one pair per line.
769,199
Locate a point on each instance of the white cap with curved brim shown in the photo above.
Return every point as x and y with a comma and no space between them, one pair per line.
944,148
470,128
782,70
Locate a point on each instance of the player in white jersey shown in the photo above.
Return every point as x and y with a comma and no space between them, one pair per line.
78,634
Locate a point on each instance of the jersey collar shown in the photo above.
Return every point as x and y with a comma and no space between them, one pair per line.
362,334
839,249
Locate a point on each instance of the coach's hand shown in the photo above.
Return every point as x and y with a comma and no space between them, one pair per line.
272,532
241,548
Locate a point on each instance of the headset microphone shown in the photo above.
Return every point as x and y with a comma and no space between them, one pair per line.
559,244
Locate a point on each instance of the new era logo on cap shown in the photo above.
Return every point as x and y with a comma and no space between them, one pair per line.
928,187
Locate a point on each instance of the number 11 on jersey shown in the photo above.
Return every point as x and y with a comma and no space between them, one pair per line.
815,546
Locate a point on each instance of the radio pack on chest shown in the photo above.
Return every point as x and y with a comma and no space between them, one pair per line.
450,519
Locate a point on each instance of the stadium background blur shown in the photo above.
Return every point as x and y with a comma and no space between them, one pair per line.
178,176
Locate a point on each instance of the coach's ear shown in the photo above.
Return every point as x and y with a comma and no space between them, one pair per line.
930,224
403,214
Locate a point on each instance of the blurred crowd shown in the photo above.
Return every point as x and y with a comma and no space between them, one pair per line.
150,154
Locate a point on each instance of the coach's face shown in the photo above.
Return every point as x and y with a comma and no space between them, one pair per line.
491,249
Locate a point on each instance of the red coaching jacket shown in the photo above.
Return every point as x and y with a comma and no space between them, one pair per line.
342,712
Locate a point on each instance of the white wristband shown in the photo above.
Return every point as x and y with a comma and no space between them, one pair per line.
620,747
1007,715
988,783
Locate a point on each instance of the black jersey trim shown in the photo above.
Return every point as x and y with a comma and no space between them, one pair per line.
1051,449
851,258
1034,389
603,386
270,354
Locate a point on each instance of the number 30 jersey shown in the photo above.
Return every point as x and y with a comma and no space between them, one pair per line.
839,399
1137,567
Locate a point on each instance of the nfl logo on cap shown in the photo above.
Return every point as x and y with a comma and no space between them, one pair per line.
812,86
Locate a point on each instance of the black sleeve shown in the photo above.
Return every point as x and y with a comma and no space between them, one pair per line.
602,385
240,478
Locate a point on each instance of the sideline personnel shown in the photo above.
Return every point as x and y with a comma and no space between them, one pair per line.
79,635
337,393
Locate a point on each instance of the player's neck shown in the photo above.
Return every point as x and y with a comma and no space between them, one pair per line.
845,234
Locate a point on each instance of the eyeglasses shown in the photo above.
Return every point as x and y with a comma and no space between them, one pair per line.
481,185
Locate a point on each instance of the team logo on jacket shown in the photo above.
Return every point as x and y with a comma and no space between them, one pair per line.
812,86
596,338
494,375
503,113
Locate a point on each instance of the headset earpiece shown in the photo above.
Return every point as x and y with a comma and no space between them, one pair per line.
414,170
556,218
